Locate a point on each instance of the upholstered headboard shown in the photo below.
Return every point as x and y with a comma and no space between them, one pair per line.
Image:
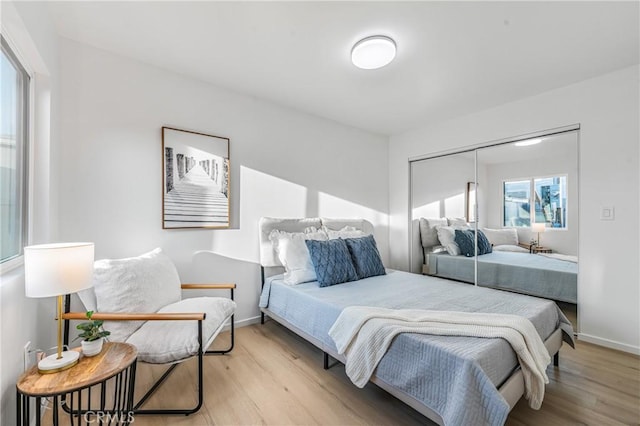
269,257
428,232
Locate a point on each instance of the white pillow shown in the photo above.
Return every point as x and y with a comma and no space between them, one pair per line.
458,221
446,235
501,237
141,284
294,255
346,232
428,232
509,247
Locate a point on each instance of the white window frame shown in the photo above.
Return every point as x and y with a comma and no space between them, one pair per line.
27,175
532,200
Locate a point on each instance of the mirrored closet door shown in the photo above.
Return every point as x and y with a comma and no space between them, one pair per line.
503,216
438,203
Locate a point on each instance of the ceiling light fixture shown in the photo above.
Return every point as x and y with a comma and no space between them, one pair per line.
528,142
373,52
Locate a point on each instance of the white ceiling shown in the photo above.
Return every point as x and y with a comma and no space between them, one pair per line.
453,58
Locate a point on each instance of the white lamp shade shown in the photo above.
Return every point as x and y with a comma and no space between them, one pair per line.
373,52
57,269
538,227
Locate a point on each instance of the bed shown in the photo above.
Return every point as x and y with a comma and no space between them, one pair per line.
451,380
551,276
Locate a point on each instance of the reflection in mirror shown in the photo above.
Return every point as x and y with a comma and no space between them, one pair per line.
531,217
471,202
439,196
526,217
533,184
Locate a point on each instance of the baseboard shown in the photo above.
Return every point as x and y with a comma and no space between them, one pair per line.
243,323
609,343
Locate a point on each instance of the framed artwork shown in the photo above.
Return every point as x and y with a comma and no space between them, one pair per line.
195,180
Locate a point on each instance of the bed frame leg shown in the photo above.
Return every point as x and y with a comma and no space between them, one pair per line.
556,359
262,318
326,360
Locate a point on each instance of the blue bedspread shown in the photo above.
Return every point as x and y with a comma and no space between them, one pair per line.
521,272
457,377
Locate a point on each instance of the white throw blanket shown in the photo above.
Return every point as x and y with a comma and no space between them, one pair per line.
363,334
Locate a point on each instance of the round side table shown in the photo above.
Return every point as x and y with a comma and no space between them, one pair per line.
98,390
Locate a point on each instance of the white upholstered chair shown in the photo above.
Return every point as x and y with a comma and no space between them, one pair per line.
140,300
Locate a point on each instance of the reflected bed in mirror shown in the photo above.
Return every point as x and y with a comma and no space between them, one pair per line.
527,273
508,266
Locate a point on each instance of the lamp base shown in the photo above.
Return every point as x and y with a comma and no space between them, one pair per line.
53,364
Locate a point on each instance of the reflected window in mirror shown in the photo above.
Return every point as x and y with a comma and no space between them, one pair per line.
551,201
516,203
547,195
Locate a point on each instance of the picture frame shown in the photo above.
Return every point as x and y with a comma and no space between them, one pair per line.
195,180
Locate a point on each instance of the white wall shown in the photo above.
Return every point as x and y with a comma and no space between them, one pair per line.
29,28
284,163
607,109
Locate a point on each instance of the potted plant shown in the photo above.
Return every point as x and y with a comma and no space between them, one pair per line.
92,335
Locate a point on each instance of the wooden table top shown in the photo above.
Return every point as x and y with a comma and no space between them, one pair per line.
114,358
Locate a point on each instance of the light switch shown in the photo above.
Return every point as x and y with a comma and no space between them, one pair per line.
607,213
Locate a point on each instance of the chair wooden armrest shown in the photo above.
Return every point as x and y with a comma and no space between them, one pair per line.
229,286
136,316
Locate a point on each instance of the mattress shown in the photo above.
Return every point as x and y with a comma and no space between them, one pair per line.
525,273
457,377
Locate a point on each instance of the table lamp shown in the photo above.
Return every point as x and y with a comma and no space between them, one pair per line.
57,270
538,228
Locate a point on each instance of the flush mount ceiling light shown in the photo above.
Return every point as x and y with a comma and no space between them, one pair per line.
373,52
528,142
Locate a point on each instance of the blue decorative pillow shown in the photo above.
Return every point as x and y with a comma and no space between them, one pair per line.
465,239
331,261
365,256
484,246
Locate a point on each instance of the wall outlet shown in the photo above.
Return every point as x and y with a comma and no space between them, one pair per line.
607,213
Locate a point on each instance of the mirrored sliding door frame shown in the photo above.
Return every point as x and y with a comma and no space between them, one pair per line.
475,148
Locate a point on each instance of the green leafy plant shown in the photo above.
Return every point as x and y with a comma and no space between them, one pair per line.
91,330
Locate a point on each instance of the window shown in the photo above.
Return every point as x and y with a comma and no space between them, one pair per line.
547,195
14,108
517,197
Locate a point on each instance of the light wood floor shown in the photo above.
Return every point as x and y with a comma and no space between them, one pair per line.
273,377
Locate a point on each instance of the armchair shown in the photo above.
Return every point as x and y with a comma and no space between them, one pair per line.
140,301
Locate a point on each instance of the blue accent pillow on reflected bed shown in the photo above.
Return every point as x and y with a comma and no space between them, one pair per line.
365,256
331,261
484,246
465,239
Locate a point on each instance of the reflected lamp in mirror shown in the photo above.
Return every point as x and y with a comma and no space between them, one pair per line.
538,228
56,270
